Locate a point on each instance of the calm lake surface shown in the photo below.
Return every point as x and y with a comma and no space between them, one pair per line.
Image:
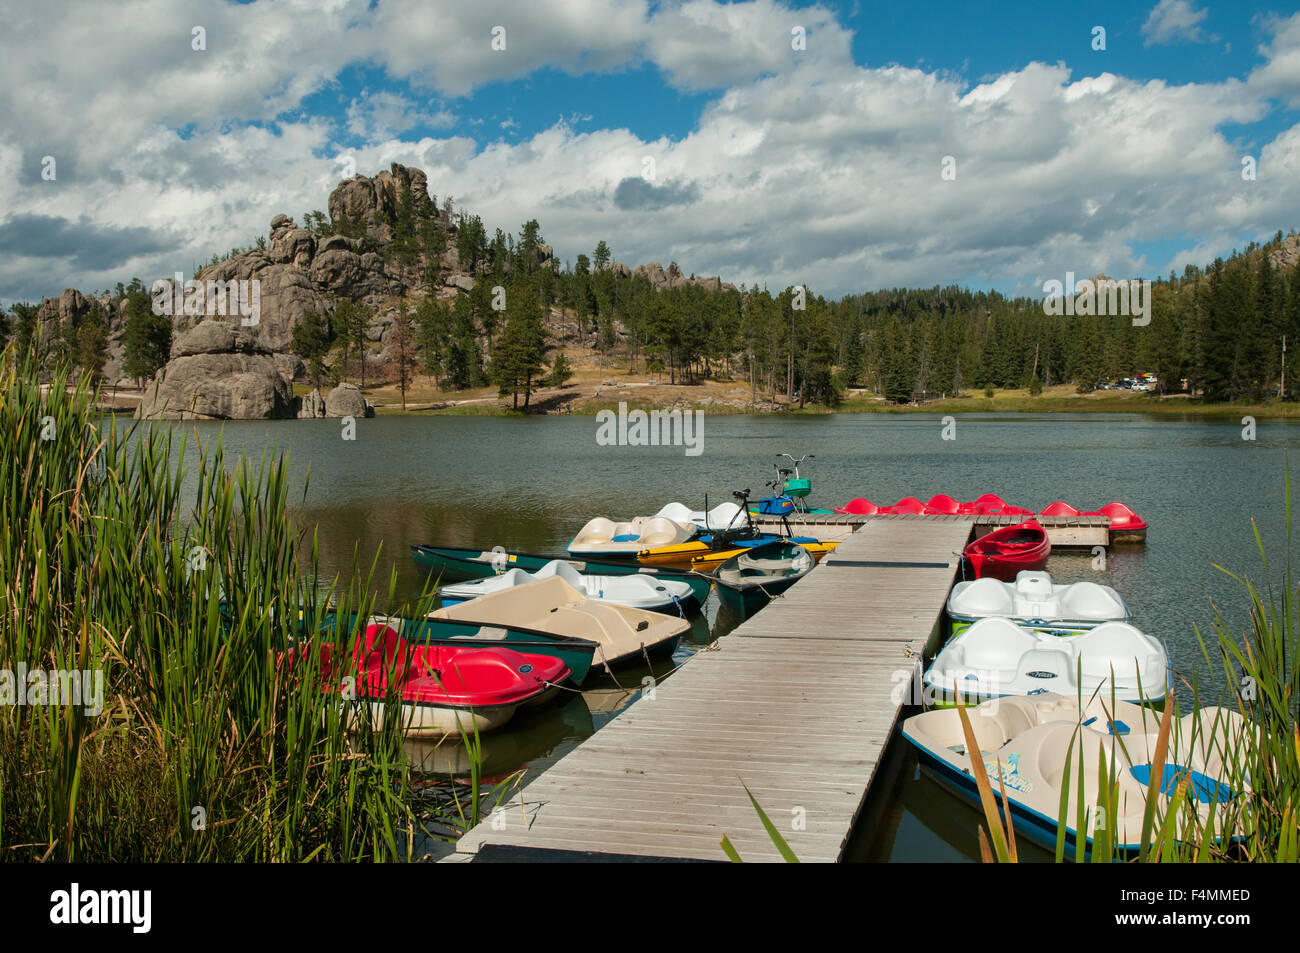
529,484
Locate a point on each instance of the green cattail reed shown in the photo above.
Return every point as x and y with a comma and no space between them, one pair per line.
207,744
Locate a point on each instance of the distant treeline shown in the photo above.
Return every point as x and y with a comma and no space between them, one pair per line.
1214,332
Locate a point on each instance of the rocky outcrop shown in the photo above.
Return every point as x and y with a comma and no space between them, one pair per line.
289,244
218,372
1286,254
55,316
370,204
298,271
672,277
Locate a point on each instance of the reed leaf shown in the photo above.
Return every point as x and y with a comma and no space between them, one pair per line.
987,801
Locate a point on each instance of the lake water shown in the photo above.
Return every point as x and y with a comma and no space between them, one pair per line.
530,483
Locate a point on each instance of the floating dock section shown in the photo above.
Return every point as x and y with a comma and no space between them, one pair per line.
797,704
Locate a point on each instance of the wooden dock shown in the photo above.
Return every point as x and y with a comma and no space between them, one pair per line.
797,703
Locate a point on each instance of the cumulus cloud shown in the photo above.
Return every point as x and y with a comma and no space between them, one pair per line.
1174,21
384,115
804,168
1280,74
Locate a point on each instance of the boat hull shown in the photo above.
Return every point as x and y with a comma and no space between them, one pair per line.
436,721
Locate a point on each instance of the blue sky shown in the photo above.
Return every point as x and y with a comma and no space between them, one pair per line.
771,165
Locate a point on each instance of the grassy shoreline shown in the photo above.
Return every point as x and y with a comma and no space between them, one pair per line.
999,404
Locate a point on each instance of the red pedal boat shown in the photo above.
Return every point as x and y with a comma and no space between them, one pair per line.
446,688
1007,551
1125,525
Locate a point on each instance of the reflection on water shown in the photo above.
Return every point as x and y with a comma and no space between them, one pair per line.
529,484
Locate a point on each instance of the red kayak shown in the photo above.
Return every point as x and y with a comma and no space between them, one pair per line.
1007,551
446,688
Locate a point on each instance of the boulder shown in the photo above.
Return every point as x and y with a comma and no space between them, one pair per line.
346,400
206,337
218,387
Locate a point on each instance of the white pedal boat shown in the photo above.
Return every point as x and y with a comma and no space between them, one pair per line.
602,537
722,516
1033,600
634,590
995,658
553,606
1026,741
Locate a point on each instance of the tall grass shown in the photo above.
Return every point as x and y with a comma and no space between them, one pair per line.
208,747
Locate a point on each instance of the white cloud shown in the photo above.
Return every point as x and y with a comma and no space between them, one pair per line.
1280,74
384,115
1174,21
705,45
806,168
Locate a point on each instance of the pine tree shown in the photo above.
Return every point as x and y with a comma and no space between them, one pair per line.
432,329
350,324
311,341
561,371
92,345
517,360
26,329
402,340
146,337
